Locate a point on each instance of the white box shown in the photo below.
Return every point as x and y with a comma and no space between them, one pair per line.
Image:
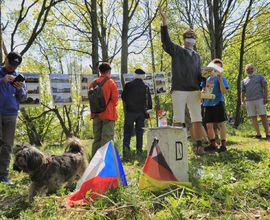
173,145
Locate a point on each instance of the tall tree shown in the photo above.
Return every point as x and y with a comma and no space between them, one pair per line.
248,20
42,10
92,10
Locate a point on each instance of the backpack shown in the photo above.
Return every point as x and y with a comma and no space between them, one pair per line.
96,97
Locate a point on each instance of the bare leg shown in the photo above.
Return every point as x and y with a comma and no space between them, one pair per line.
223,132
198,133
265,124
256,125
210,130
204,134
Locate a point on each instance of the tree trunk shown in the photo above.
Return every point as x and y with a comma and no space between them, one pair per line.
33,135
218,46
124,39
157,104
66,131
102,36
94,23
239,78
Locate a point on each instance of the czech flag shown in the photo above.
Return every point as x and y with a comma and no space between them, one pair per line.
157,174
105,171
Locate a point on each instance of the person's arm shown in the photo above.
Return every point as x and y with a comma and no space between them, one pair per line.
163,17
222,87
167,44
124,93
123,96
265,89
7,78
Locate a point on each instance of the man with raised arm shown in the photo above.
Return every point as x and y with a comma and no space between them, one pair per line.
186,78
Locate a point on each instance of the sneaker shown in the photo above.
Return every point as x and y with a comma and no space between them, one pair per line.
210,148
6,180
267,137
222,149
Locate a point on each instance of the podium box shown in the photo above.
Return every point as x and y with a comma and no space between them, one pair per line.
173,145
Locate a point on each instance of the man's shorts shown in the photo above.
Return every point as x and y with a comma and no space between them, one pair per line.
193,101
215,114
255,107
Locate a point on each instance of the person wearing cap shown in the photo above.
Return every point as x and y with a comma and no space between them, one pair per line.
103,123
186,79
254,96
214,109
137,101
10,96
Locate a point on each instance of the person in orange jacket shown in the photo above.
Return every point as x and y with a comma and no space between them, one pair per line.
103,123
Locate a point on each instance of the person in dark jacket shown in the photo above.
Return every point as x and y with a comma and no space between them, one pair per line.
137,102
186,78
10,96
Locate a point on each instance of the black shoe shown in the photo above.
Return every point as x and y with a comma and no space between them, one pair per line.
258,136
267,137
210,148
222,149
126,153
6,180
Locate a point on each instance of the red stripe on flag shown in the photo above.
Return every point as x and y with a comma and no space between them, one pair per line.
90,189
157,171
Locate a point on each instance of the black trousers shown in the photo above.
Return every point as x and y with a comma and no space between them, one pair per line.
130,119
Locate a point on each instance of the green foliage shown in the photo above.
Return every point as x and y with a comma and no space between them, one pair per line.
231,185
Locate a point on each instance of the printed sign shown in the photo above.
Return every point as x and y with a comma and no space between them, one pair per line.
32,82
61,89
117,80
129,77
149,81
85,81
160,83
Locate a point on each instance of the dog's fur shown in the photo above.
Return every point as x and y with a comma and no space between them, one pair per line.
48,173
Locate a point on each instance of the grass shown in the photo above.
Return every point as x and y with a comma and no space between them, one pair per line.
230,185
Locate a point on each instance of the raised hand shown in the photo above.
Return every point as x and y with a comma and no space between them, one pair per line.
163,16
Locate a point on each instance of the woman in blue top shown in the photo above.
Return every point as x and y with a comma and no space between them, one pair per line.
215,108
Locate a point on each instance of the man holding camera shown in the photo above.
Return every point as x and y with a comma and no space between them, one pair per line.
11,93
137,102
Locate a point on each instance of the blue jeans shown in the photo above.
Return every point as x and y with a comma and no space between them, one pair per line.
7,133
130,119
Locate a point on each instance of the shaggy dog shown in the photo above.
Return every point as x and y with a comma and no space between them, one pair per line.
48,173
